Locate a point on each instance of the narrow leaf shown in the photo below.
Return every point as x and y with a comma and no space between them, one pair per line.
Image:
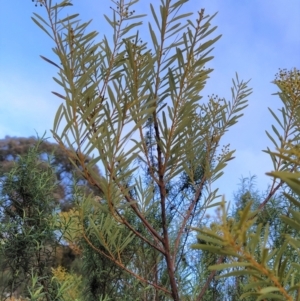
41,26
49,61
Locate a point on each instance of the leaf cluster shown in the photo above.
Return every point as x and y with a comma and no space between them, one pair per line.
272,271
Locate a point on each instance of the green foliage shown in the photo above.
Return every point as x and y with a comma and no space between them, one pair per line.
138,105
26,204
111,93
272,271
29,246
13,147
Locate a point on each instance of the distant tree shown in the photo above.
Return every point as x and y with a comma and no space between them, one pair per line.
67,179
11,148
66,175
26,202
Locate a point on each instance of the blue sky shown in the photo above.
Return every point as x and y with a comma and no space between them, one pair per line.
259,36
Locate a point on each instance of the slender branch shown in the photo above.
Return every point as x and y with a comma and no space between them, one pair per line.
137,212
209,279
162,186
127,224
124,268
187,216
